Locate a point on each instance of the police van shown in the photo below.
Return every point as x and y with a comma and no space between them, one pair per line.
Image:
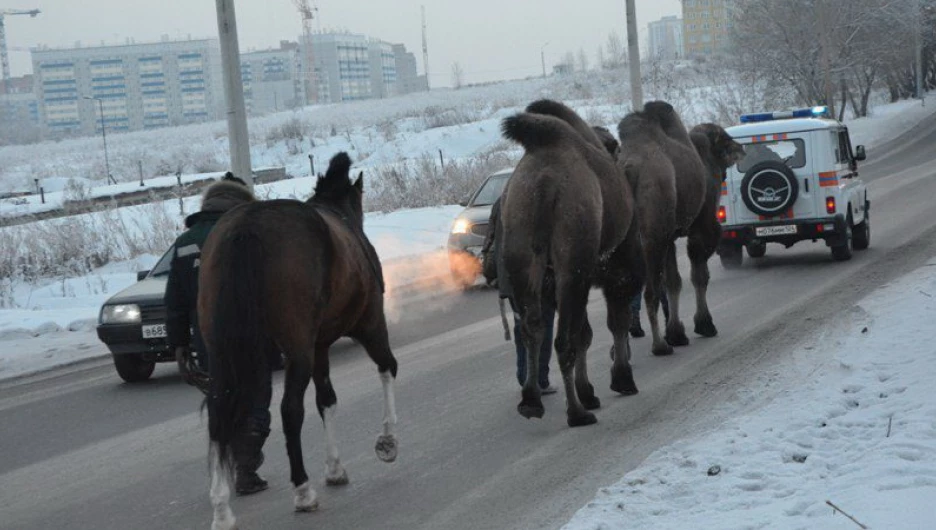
798,181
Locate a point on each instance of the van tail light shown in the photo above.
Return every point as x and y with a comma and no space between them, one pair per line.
722,214
830,205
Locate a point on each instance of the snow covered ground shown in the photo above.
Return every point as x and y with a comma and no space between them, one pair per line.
849,418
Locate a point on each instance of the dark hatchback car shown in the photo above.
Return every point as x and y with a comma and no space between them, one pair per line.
471,227
132,324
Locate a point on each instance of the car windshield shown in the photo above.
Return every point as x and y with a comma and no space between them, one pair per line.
491,190
790,152
162,266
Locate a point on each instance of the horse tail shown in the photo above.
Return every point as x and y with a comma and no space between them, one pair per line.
534,131
240,340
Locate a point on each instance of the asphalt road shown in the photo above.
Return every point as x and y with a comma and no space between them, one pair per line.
81,450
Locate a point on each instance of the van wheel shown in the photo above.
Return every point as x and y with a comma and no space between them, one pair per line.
861,236
133,368
731,256
756,249
843,252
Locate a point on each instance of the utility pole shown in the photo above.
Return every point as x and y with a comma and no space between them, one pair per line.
919,51
238,141
110,179
543,57
425,46
633,52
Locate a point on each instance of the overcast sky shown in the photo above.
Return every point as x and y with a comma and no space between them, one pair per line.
491,39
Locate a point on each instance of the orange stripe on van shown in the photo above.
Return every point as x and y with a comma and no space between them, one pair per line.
724,188
828,179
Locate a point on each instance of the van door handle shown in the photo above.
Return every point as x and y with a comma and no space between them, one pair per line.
806,184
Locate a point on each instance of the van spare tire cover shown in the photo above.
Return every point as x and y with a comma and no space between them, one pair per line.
769,188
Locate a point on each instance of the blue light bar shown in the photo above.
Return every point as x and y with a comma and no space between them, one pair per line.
814,112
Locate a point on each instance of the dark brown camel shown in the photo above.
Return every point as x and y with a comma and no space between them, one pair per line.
669,183
718,152
290,276
567,219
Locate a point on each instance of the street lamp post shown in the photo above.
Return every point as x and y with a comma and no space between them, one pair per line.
543,57
100,101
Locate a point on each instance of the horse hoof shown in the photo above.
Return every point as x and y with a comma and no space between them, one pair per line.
706,329
305,500
590,402
622,382
386,448
529,408
677,339
662,351
337,479
581,420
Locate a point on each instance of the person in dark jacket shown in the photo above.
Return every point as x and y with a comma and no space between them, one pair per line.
493,270
183,333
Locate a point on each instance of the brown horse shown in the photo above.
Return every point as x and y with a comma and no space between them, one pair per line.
290,276
718,152
669,183
567,225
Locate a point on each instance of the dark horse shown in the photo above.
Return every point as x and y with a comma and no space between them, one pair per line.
290,276
567,225
676,196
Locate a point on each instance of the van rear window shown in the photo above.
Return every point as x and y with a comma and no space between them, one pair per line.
790,152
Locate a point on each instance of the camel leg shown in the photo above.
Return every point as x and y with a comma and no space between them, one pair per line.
655,254
699,254
573,337
584,388
675,331
624,281
532,332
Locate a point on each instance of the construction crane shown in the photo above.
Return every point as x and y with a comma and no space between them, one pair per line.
308,12
4,58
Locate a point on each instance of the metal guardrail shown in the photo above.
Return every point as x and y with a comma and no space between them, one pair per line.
133,198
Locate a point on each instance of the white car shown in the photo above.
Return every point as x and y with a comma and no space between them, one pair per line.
798,181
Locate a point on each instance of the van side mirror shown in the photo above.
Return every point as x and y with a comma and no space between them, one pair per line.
142,274
860,154
463,204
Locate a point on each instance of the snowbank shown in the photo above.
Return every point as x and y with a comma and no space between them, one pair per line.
859,432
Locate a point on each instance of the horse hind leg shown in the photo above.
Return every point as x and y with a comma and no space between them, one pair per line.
377,345
292,408
699,254
220,492
675,331
326,402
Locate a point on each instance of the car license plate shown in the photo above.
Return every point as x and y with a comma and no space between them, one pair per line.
775,230
154,331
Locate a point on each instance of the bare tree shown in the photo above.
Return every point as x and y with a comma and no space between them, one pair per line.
617,54
582,61
458,75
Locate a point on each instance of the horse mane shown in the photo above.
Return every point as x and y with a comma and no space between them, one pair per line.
335,184
549,107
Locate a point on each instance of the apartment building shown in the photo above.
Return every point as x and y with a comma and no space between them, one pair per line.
706,26
127,87
665,38
272,79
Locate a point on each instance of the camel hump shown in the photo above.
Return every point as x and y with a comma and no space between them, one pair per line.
535,131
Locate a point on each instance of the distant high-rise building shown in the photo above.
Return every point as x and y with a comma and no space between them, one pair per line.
140,86
706,26
272,80
666,38
19,112
351,67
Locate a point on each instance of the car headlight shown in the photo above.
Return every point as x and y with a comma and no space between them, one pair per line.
461,226
120,314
